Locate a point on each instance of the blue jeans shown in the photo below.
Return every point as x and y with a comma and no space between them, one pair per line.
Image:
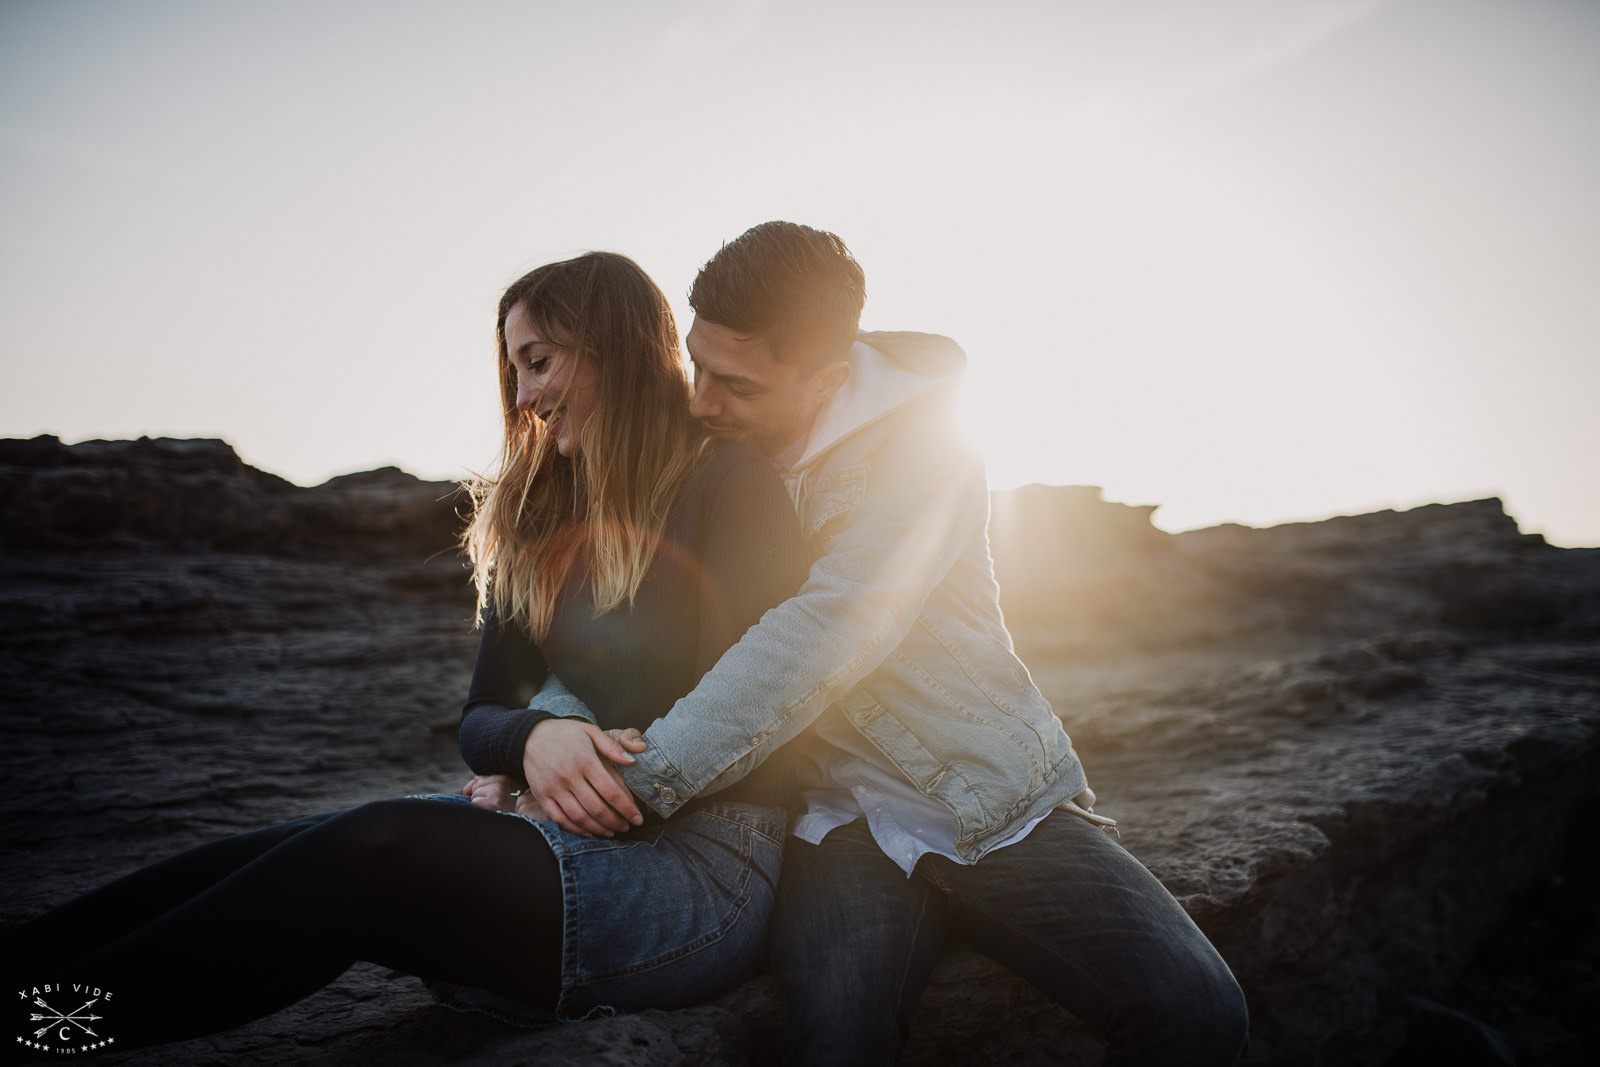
664,915
854,942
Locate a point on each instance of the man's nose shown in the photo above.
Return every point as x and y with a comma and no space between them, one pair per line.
701,405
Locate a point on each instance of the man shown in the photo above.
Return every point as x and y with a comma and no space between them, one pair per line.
941,796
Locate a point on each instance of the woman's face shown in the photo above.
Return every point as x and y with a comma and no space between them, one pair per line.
553,381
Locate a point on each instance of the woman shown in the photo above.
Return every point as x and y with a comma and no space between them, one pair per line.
617,548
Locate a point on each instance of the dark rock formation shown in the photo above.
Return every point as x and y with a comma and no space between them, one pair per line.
198,496
1362,752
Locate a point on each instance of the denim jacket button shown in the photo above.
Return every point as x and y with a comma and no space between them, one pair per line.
669,795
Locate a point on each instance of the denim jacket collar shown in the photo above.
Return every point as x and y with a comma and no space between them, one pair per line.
887,372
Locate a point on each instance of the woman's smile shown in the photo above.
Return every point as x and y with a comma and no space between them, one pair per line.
553,381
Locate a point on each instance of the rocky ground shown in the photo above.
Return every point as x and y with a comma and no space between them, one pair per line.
1362,752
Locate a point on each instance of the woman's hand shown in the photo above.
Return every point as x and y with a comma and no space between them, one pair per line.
493,791
571,773
500,792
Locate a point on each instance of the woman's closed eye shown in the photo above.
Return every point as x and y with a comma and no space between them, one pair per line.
531,365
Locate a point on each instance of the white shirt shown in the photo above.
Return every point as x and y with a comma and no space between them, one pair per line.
843,778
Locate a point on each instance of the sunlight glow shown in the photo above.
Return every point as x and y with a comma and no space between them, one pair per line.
1249,260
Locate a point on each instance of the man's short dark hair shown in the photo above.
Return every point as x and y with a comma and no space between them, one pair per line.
798,288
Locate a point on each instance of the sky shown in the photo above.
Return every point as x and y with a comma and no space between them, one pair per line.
1250,260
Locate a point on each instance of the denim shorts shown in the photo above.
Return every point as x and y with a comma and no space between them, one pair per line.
665,915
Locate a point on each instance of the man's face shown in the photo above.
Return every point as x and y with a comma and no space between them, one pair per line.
741,392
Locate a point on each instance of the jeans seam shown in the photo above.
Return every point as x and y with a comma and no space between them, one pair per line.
905,970
743,824
1050,950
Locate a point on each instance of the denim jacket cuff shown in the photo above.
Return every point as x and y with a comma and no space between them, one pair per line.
555,699
656,783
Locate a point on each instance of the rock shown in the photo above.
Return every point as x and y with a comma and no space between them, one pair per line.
198,496
1446,1035
1350,748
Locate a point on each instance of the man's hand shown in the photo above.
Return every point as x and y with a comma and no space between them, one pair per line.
630,739
571,773
530,807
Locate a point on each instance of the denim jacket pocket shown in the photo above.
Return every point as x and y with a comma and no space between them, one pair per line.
826,504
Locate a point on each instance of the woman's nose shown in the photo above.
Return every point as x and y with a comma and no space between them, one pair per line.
527,394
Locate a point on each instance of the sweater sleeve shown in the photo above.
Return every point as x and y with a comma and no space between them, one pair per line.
512,691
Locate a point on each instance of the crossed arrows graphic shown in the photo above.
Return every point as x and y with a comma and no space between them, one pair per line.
74,1018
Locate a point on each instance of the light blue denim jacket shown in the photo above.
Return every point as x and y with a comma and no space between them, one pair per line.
897,627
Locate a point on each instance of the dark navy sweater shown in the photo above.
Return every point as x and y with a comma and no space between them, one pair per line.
732,549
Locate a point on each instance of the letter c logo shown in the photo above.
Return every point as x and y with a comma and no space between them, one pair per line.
64,1035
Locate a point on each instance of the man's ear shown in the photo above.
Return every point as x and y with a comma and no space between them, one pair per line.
830,380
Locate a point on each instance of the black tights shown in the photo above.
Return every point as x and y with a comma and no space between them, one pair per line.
252,923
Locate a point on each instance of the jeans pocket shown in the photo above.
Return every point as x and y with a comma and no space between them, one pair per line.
646,836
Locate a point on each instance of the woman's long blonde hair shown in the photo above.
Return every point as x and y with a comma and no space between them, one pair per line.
605,508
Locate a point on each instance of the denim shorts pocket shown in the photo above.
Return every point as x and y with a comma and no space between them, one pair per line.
646,836
680,920
665,915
